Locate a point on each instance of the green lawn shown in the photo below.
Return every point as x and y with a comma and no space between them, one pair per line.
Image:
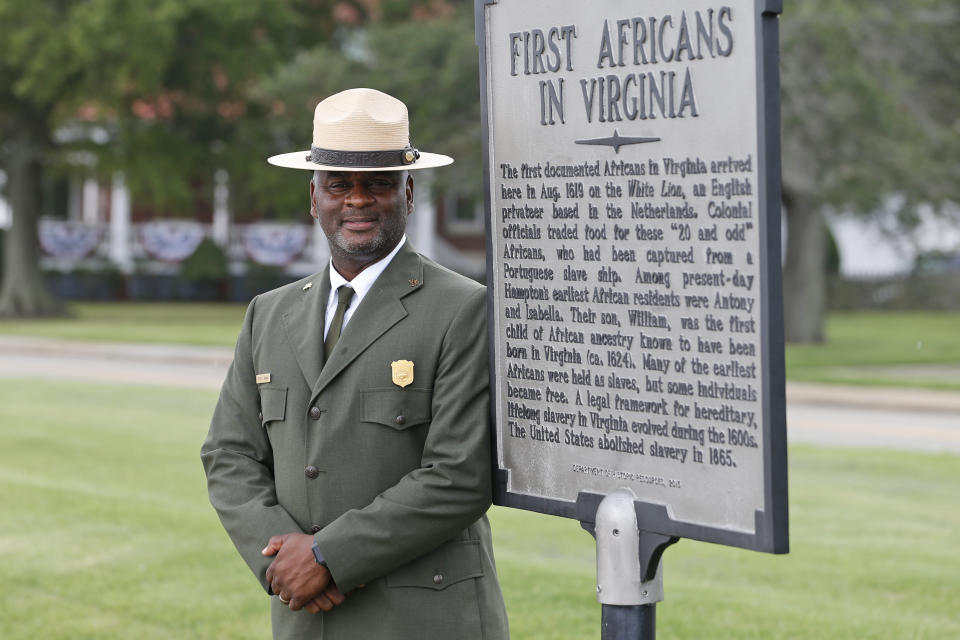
883,348
183,323
106,533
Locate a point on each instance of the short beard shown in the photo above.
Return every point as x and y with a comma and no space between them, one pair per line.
387,238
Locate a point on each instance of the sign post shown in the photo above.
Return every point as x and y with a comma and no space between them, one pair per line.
629,584
632,173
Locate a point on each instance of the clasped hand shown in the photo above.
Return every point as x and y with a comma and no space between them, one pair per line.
295,576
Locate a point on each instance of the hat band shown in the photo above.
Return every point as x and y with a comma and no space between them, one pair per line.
363,159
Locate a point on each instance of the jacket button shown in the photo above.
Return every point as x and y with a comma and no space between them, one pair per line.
438,579
315,528
401,420
315,413
311,472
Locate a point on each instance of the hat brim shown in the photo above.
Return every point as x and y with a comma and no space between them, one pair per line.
298,160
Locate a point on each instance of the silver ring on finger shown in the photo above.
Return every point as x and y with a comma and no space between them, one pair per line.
282,600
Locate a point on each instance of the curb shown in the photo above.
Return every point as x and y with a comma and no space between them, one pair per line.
905,399
160,352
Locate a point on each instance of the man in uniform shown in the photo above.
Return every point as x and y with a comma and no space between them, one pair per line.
348,456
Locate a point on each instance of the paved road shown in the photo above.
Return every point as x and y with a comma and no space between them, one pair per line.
166,365
877,417
895,418
869,427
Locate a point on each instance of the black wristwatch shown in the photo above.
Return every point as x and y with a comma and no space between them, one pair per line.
318,556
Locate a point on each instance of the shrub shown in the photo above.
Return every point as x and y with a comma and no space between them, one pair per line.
207,263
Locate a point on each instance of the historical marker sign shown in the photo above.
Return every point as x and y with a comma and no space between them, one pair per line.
633,179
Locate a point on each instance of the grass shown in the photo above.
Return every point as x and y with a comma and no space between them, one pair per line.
883,338
893,348
207,324
106,533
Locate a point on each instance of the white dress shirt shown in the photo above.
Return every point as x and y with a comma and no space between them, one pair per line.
361,285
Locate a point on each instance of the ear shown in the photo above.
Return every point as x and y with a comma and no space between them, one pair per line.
409,194
313,204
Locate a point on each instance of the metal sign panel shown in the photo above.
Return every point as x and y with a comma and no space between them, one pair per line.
633,233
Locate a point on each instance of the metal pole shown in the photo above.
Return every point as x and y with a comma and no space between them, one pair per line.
637,622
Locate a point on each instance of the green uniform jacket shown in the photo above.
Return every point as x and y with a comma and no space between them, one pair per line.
393,481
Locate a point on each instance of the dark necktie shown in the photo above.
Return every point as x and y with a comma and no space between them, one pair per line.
344,296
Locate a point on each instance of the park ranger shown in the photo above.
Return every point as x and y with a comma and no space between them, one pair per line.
348,455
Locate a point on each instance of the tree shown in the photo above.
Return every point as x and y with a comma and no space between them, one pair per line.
45,70
423,54
168,79
870,109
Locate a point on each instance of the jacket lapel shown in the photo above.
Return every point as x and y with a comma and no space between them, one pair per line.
304,325
380,309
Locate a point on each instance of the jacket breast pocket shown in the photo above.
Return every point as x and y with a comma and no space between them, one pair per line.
396,408
273,404
452,563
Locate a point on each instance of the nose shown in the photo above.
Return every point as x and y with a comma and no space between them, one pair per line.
359,197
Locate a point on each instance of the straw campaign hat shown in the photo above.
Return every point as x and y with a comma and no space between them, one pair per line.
360,130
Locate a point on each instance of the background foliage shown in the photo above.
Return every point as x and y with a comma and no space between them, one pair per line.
870,117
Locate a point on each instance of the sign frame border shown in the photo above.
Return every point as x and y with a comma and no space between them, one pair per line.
771,524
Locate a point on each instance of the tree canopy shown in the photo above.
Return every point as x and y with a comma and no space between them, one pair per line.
870,100
167,82
430,64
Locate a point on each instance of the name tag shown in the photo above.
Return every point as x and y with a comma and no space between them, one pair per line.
263,378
